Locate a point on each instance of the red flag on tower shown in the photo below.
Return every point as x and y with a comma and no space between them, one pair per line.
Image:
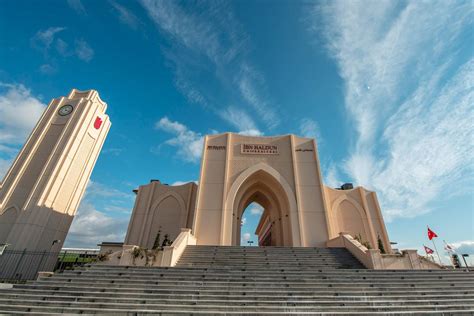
97,122
428,250
431,234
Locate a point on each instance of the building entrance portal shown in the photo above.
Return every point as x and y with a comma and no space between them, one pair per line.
274,228
282,174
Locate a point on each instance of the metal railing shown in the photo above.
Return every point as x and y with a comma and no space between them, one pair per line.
22,265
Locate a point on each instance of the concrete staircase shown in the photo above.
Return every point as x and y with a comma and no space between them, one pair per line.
247,280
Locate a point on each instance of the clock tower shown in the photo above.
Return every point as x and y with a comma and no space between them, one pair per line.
41,191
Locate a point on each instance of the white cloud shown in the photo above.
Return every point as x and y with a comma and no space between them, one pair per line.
47,69
94,223
209,42
62,47
250,82
188,142
241,120
409,91
465,246
309,128
43,39
332,177
244,221
246,237
83,50
19,112
112,151
77,6
96,189
256,209
4,165
118,209
183,182
125,15
91,227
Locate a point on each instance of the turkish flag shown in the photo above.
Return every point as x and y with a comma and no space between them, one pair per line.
97,123
428,251
431,234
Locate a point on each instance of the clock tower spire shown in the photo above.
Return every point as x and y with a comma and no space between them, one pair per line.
41,191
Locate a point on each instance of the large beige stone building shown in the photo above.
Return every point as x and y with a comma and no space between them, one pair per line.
280,173
41,191
40,194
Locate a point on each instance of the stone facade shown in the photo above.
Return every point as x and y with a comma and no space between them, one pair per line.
160,208
280,173
41,191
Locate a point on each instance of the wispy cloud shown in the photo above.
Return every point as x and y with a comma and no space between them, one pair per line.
47,69
241,120
77,6
125,15
409,91
206,40
97,189
112,151
331,177
83,50
188,143
309,128
248,82
51,45
44,38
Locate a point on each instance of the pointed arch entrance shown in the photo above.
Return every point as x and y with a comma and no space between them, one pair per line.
266,186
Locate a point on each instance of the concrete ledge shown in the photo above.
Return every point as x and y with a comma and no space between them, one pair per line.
45,274
373,259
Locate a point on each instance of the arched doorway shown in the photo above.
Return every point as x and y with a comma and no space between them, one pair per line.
265,186
250,234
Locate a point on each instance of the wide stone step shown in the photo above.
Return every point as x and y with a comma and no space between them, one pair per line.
246,280
249,287
253,278
159,270
97,306
266,274
235,256
136,268
236,283
248,301
18,293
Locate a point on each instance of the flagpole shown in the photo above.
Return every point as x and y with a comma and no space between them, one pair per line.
439,258
451,252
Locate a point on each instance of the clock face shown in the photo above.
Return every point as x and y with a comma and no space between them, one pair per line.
65,110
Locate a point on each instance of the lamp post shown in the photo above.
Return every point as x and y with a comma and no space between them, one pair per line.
250,242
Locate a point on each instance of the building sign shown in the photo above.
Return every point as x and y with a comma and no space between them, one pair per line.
259,149
212,147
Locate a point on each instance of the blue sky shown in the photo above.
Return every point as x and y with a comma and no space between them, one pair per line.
385,87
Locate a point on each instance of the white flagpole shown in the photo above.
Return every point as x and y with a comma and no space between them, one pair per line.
436,249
